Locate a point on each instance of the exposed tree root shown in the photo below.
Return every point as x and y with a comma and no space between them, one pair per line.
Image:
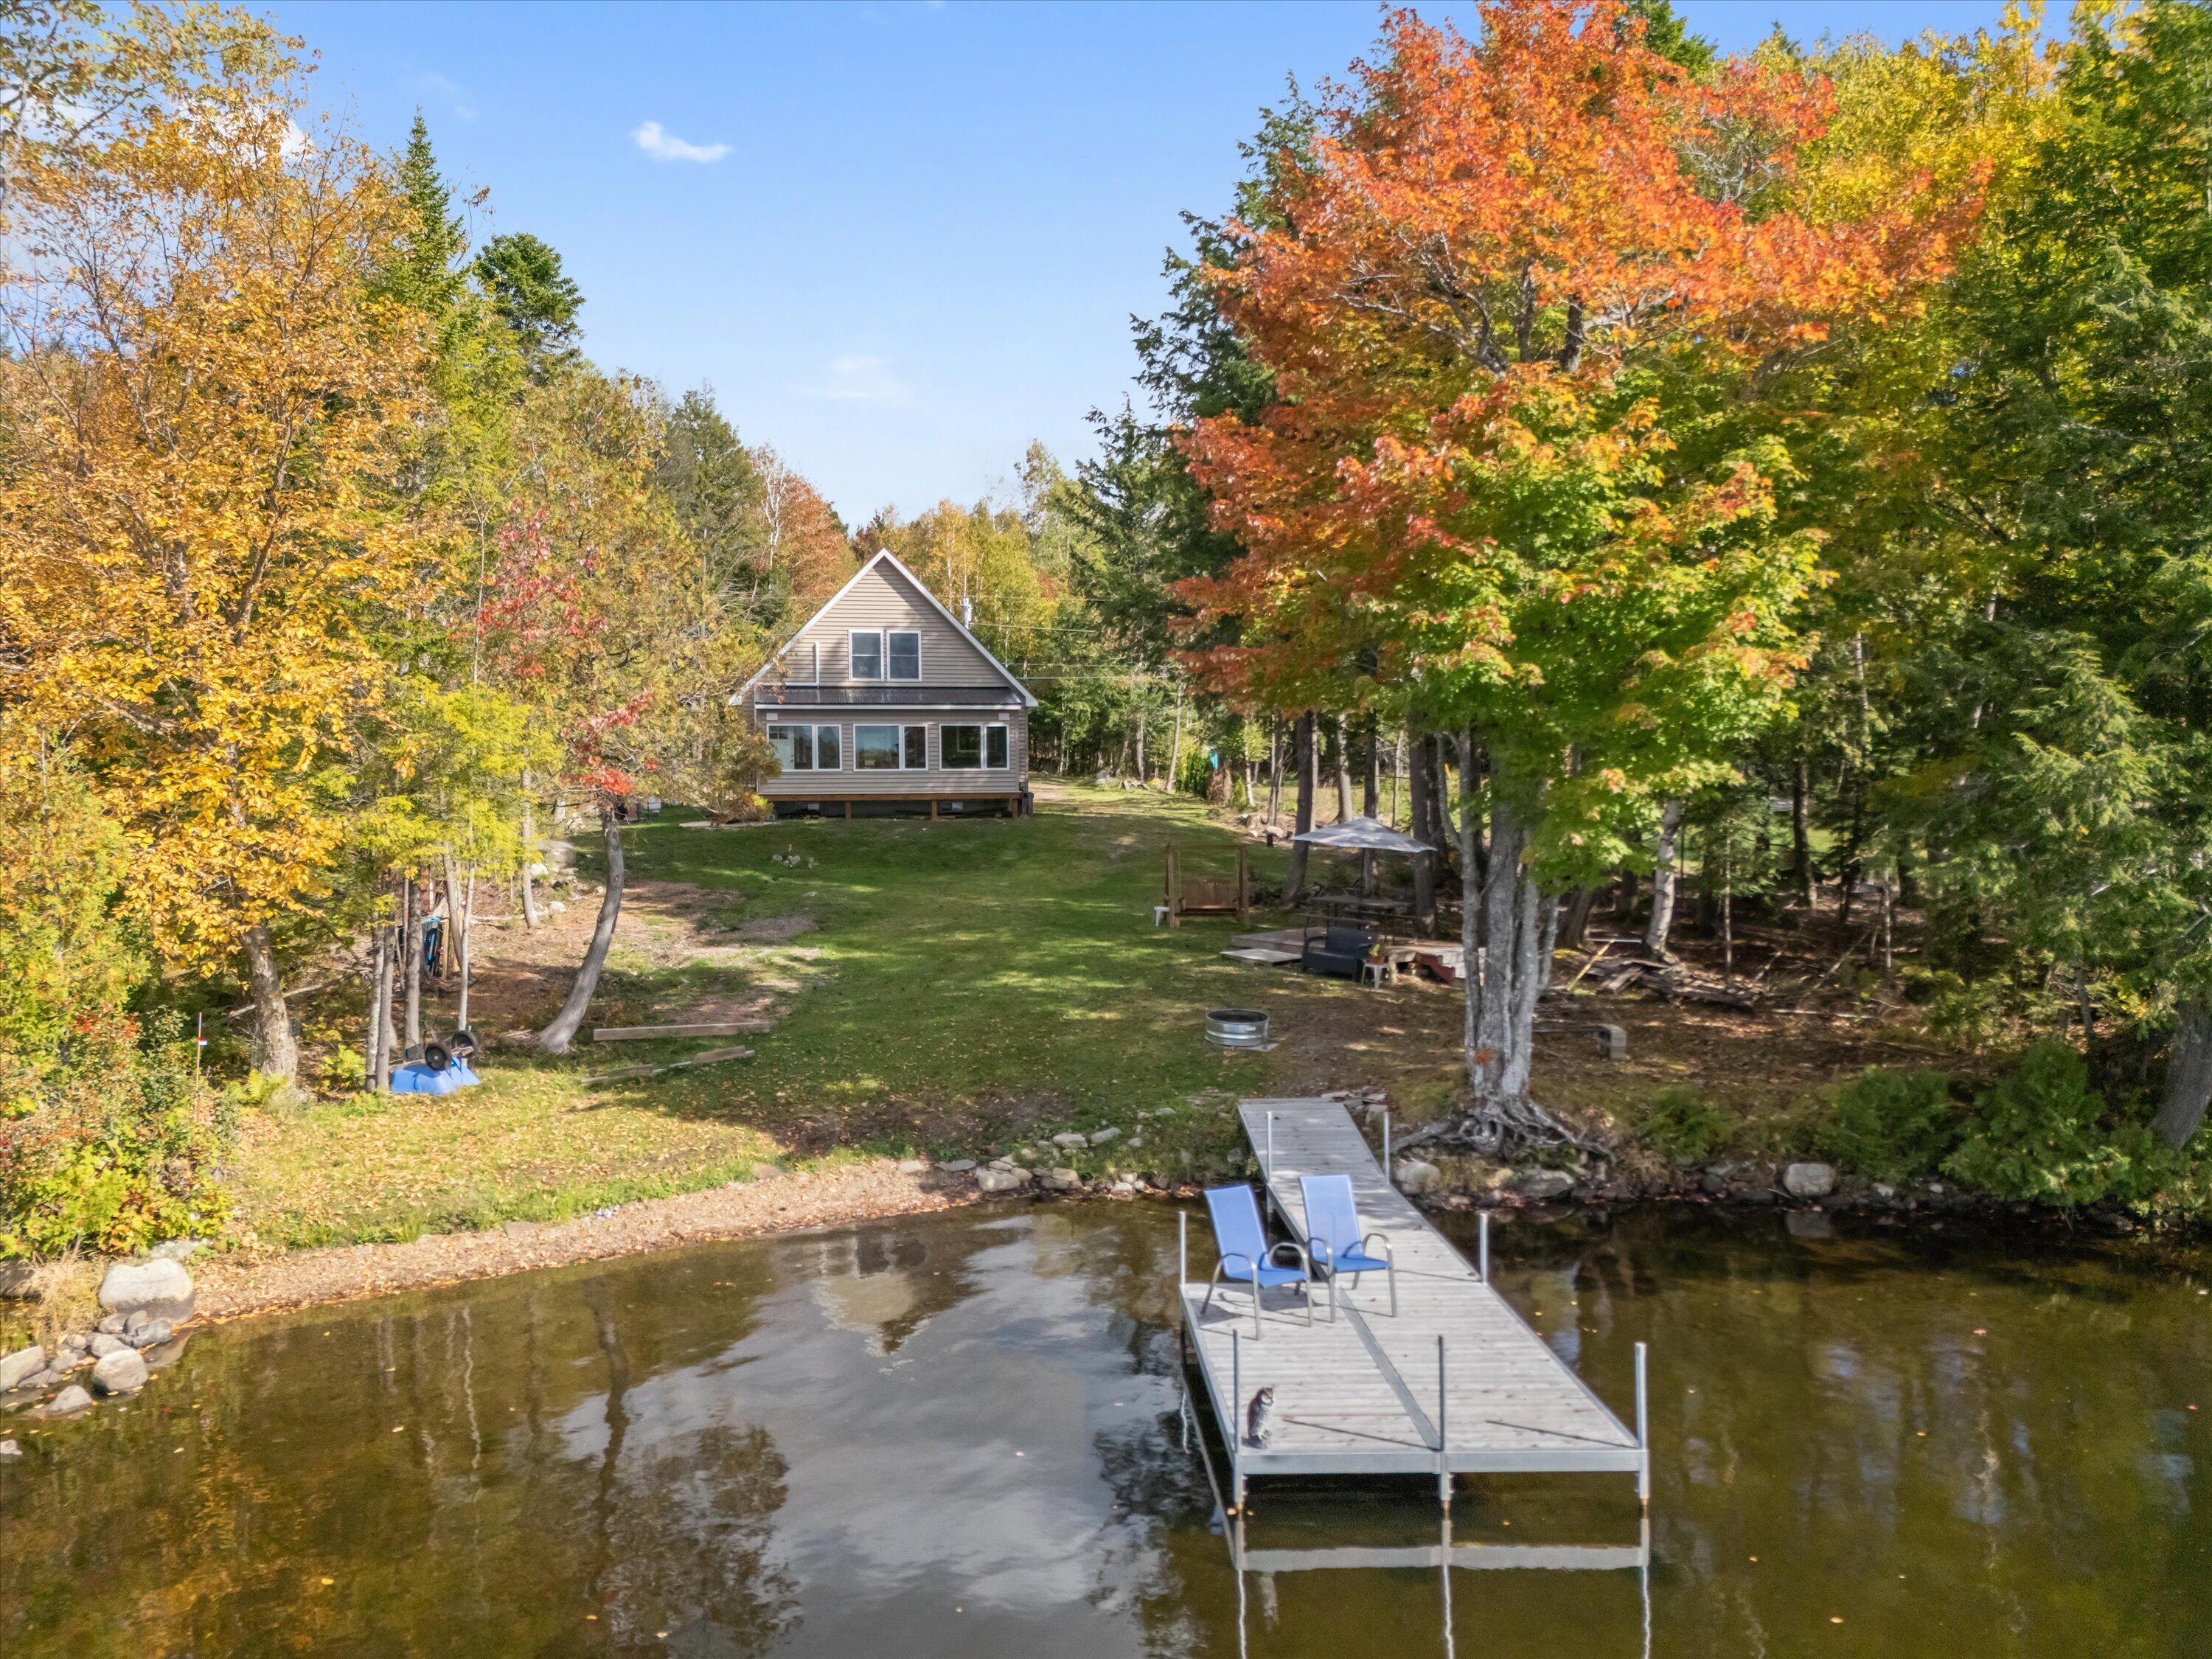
1500,1127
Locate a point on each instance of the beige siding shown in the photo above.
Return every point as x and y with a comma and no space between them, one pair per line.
934,779
882,599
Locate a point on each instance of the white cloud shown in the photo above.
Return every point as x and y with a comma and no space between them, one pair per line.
434,85
857,378
662,145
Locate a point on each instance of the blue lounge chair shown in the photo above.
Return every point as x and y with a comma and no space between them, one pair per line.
1241,1239
1332,1236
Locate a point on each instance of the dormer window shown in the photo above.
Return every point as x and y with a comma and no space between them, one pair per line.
905,656
892,655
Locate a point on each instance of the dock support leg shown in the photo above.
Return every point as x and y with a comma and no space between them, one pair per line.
1444,1428
1386,1149
1482,1247
1268,1174
1182,1253
1234,1425
1643,1430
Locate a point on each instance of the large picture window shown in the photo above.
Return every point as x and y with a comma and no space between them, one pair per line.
875,748
805,748
904,654
864,654
974,748
890,748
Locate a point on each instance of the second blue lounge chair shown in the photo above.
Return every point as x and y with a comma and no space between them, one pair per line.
1241,1238
1332,1235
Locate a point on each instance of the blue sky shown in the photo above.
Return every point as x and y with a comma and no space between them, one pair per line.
900,240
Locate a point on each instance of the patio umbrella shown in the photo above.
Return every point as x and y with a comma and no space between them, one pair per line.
1363,835
1367,837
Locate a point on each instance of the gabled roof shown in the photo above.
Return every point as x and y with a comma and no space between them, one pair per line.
920,587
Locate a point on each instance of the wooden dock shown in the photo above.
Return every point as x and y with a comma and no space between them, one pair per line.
1453,1382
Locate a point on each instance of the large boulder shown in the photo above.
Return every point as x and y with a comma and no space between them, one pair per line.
160,1288
20,1366
1416,1175
1539,1186
1809,1179
123,1371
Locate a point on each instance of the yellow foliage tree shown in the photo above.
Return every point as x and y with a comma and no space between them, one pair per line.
204,416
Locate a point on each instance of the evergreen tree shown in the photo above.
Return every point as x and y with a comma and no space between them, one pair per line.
534,297
426,270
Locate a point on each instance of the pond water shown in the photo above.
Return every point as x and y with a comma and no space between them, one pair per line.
965,1435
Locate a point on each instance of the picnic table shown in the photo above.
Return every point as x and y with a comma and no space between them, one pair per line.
1351,906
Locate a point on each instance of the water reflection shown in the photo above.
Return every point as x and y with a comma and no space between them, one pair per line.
967,1435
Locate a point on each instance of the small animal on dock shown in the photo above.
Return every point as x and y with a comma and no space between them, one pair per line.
1257,1426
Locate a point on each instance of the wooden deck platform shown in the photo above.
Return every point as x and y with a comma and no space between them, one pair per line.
1453,1382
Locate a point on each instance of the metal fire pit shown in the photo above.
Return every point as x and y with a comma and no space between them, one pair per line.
1237,1028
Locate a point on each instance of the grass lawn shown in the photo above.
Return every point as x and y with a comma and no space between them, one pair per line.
965,985
956,989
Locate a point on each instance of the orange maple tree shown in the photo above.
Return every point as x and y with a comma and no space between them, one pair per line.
1517,293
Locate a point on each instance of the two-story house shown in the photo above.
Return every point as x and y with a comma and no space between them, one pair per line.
884,705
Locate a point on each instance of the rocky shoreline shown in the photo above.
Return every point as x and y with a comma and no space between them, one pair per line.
145,1302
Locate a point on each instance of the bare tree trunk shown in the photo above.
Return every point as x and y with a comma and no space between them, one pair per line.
449,961
1440,796
1492,913
412,966
379,1057
1274,767
529,854
1801,841
1341,754
1576,924
2188,1076
1425,864
461,951
1175,746
1664,878
1143,773
556,1038
1302,742
1397,772
276,1050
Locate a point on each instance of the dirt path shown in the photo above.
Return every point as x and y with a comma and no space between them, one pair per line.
747,1210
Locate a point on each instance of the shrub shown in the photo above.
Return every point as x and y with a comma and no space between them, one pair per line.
1683,1126
118,1154
2039,1133
1891,1124
107,1140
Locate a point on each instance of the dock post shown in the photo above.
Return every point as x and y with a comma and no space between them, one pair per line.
1182,1251
1443,1428
1386,1148
1482,1247
1268,1174
1643,1430
1234,1425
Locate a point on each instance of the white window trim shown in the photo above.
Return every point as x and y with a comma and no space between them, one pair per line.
852,671
983,729
902,728
889,677
817,728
